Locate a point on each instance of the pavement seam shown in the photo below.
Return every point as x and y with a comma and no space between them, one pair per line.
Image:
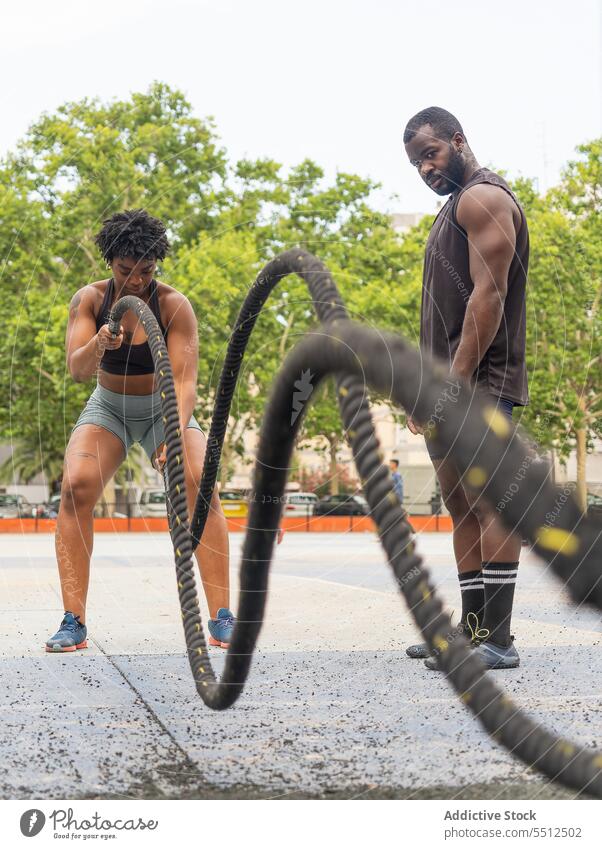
187,759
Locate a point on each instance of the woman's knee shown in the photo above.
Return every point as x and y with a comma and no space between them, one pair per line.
78,493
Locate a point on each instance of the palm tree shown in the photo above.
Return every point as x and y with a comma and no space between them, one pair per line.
27,461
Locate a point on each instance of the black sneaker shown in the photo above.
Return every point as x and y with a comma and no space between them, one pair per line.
499,657
432,662
418,651
471,629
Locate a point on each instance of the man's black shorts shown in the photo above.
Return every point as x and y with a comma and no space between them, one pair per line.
438,452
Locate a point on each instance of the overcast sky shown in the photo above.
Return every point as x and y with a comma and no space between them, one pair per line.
334,80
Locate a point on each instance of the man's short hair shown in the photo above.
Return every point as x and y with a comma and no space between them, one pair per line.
444,124
393,460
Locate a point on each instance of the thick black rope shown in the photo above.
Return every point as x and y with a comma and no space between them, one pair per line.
476,434
329,307
489,452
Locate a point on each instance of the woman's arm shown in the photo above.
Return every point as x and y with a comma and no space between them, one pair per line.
183,350
84,346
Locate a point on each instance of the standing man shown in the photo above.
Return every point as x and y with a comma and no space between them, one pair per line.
397,479
473,316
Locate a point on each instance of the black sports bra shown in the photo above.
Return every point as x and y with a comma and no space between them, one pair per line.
129,359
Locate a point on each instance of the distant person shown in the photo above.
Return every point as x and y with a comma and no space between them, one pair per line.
473,317
397,479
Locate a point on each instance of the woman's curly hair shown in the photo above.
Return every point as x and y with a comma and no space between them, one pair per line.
133,233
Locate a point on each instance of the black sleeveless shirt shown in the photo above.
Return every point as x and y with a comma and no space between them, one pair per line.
129,359
447,286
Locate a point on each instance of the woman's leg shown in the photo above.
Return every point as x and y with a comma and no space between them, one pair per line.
92,457
212,553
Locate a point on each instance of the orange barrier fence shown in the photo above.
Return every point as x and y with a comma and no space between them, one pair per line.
300,524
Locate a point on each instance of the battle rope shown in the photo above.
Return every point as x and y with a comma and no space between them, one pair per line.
476,435
489,452
329,306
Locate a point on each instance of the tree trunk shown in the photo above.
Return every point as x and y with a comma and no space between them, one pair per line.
108,498
334,478
581,493
224,469
552,456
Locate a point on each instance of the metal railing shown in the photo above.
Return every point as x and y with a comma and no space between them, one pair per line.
120,510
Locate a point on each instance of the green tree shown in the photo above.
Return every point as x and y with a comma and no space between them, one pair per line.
563,322
273,213
72,169
367,260
27,273
90,159
215,274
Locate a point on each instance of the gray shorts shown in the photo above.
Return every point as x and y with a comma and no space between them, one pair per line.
132,418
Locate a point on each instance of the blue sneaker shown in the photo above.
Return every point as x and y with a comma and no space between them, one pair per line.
498,657
221,629
70,636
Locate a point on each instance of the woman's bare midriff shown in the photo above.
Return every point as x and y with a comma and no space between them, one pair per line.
140,384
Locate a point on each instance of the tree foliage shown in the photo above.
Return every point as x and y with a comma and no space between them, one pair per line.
89,159
564,317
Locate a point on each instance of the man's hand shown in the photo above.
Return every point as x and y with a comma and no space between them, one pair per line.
462,374
414,427
105,341
280,536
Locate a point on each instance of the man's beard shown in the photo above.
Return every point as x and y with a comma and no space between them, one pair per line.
452,177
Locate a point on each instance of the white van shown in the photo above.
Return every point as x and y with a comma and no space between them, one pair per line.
152,503
299,504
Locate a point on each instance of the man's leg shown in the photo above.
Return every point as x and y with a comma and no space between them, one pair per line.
466,528
501,552
466,541
92,457
467,547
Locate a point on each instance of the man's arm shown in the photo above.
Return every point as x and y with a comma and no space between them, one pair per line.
486,214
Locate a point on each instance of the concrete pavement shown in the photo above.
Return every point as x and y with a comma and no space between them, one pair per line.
333,707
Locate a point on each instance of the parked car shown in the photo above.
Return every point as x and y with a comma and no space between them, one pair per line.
152,503
50,509
15,507
299,504
234,503
594,506
341,505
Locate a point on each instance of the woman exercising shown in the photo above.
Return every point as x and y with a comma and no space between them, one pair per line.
124,408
